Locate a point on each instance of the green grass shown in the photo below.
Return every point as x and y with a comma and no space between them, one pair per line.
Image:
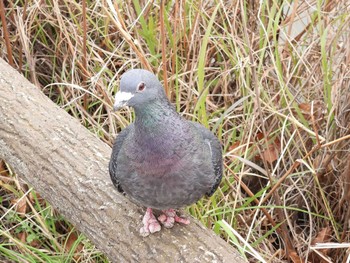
277,100
31,231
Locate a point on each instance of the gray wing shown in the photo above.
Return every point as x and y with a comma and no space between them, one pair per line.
216,155
118,144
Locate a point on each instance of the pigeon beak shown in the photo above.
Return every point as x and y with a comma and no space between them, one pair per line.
121,99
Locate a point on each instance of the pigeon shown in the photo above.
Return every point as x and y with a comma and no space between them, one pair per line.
161,161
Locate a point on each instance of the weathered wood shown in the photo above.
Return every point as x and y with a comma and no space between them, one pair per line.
67,165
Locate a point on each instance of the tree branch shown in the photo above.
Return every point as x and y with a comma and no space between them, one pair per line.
68,166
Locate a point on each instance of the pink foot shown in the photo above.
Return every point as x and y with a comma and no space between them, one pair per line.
169,217
150,224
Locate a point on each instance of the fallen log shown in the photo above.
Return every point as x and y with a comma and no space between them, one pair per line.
68,166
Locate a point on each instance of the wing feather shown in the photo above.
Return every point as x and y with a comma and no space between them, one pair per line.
216,155
113,163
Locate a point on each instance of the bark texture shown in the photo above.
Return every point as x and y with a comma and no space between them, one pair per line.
68,166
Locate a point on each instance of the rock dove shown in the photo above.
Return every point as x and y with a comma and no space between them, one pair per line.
161,161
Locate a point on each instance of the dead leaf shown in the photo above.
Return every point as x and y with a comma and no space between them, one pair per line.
4,173
72,238
323,236
35,243
22,236
20,205
269,155
237,148
36,196
295,258
273,150
272,153
312,111
234,146
3,169
305,108
322,163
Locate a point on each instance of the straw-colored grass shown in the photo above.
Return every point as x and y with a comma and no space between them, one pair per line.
269,78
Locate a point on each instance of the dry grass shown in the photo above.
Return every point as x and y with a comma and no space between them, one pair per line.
277,94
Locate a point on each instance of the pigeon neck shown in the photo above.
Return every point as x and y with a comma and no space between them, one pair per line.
160,131
156,117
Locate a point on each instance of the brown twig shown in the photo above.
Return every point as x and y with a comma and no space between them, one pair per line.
163,39
84,60
6,33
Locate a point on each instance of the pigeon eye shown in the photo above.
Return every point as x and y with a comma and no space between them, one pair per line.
141,86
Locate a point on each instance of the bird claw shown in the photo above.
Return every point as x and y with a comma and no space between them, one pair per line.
166,221
150,224
169,217
182,220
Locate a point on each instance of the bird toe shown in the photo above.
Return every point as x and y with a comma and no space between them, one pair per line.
150,224
169,217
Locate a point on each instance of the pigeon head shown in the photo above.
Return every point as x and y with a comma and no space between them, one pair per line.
138,87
